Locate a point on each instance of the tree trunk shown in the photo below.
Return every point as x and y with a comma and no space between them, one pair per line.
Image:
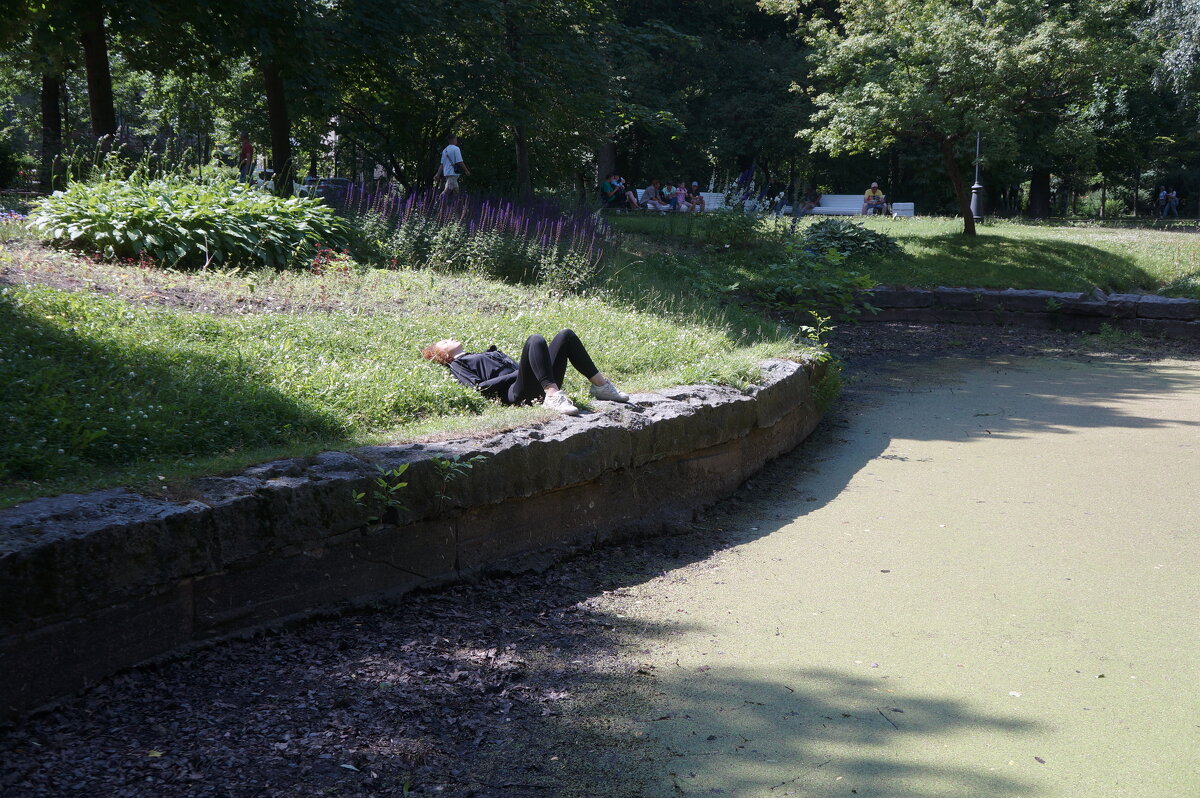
524,184
960,191
99,78
281,128
1039,194
1103,196
52,129
606,161
1135,194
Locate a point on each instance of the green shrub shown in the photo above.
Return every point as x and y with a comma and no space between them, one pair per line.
852,241
10,165
188,224
730,226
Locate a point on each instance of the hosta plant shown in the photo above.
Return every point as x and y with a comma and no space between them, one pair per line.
186,223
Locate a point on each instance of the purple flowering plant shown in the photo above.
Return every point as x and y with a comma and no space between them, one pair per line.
537,241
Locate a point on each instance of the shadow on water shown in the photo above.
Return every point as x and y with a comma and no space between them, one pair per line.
803,732
532,685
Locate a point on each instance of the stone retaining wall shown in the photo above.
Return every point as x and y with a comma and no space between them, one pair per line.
91,584
1144,313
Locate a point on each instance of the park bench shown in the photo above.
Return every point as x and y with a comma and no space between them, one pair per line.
831,204
712,200
851,205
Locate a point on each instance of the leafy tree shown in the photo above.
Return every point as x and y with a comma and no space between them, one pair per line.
940,70
1176,25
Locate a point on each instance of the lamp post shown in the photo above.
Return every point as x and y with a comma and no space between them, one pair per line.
977,189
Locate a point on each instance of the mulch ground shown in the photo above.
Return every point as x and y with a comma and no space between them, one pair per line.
476,690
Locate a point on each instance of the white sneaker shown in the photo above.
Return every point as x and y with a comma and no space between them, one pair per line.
562,403
608,392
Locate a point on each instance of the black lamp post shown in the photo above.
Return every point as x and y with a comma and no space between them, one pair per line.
977,189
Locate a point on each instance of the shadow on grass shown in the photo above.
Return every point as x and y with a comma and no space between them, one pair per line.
78,404
997,261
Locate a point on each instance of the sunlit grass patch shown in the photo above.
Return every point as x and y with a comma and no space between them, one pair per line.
1016,255
116,389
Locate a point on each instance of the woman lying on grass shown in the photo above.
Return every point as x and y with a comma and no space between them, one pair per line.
537,377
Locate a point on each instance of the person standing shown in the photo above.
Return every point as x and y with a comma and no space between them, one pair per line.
1172,204
245,159
1161,205
451,166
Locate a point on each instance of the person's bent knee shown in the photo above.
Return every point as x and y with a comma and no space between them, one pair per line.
567,332
535,340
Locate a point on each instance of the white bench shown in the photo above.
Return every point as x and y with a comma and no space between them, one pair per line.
712,199
851,205
831,204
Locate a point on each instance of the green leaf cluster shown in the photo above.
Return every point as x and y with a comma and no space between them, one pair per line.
852,241
184,223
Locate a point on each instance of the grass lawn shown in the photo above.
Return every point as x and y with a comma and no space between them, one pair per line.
117,374
1008,254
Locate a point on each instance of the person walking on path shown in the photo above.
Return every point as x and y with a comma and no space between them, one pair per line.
451,166
1172,207
537,377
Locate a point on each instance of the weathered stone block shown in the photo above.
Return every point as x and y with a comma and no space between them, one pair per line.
1088,306
1026,300
1163,307
58,659
1122,306
786,386
1173,328
389,561
898,297
963,298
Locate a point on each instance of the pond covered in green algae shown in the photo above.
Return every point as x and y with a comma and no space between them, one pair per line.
978,581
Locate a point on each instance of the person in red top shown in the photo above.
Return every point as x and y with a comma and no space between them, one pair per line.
246,158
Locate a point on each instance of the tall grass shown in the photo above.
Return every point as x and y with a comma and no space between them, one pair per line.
523,242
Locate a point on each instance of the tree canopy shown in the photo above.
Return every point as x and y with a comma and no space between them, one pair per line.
1070,95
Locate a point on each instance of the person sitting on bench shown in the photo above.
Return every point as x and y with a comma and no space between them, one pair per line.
807,201
610,192
653,198
874,201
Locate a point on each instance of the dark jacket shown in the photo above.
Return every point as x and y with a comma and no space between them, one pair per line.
492,372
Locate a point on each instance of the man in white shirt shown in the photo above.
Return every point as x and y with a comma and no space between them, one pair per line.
450,166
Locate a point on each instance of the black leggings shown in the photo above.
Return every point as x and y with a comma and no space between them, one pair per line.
543,364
